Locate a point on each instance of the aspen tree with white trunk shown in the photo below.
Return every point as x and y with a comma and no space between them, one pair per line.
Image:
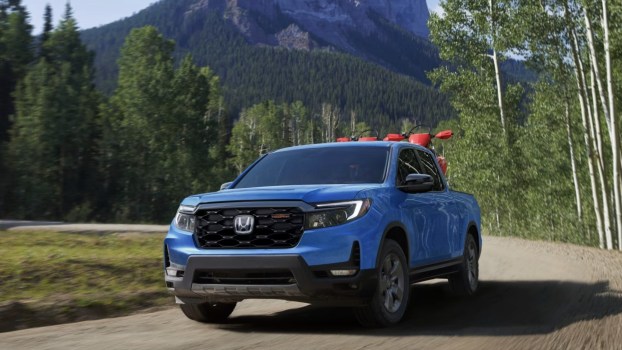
615,137
607,100
566,189
495,61
468,35
584,108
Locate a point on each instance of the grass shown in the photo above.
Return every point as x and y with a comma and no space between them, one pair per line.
52,277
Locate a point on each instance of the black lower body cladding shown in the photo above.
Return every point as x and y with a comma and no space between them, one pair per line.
222,278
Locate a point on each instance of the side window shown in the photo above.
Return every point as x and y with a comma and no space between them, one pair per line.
430,168
407,163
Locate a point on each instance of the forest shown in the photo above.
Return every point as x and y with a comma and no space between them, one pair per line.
541,156
251,73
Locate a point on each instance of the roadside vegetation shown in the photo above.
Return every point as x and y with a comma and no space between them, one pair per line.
50,277
542,157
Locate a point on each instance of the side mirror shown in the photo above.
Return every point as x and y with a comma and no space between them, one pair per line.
417,183
225,185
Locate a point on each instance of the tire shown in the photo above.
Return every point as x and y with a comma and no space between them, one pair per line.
388,305
466,280
208,312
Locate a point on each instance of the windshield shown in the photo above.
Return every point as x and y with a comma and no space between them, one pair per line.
319,166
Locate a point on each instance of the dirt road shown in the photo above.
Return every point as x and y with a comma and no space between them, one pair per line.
533,295
21,225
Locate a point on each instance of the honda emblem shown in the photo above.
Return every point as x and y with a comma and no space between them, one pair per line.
244,224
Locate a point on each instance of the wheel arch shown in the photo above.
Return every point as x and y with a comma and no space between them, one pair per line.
398,233
473,231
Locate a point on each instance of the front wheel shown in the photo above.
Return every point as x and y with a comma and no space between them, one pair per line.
208,312
466,280
390,299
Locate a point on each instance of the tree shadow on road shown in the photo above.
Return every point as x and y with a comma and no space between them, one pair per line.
499,308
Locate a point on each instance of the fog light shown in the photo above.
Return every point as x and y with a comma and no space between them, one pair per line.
343,272
173,272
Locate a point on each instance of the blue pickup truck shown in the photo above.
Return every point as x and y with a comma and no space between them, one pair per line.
351,224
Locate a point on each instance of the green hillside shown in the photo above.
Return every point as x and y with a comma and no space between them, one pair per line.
251,74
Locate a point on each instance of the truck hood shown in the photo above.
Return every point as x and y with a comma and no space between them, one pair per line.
309,194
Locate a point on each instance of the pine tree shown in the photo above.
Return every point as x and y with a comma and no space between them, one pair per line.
52,149
15,55
47,31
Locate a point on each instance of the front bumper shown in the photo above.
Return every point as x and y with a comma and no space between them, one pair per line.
308,284
318,251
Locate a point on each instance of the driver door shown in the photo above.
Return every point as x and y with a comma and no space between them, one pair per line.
427,215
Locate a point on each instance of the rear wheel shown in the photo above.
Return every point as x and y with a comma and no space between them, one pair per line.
208,312
466,280
389,302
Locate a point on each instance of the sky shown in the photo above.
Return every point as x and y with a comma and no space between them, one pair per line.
93,13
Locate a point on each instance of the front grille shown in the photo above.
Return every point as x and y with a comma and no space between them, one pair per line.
274,228
244,278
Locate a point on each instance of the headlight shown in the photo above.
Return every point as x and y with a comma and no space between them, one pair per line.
185,220
333,214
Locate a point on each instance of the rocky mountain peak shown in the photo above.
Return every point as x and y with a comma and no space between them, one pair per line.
293,37
410,15
329,22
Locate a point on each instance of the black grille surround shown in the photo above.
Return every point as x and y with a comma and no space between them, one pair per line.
274,228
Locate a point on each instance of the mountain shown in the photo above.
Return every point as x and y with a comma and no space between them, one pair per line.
329,17
332,21
366,56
